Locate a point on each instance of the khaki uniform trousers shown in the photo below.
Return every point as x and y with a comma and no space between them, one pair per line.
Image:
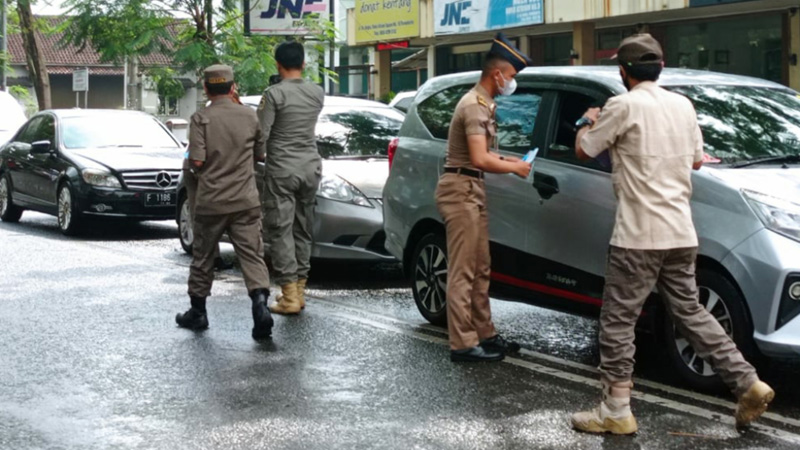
244,230
289,208
631,276
190,183
461,201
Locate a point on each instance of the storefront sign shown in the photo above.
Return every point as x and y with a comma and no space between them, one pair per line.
386,20
714,2
470,16
384,46
282,17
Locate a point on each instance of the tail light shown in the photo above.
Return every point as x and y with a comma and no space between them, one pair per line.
392,150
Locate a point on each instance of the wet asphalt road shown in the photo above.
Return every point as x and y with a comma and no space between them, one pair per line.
91,359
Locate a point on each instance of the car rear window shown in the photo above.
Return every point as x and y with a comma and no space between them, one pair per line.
348,132
436,112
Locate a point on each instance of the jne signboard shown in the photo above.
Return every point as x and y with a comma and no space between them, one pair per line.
283,17
470,16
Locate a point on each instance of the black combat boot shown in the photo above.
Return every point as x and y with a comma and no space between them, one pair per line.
262,319
195,318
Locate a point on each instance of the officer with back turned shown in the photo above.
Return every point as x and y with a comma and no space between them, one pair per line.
224,143
461,200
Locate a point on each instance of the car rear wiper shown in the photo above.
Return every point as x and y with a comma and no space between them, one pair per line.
771,159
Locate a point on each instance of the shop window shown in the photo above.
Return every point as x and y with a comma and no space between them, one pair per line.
168,106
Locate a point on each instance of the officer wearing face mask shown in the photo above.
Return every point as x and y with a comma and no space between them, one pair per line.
461,199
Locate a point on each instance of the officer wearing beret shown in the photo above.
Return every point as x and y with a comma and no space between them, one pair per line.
225,142
461,200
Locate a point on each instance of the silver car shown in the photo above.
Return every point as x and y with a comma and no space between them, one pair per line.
549,236
353,138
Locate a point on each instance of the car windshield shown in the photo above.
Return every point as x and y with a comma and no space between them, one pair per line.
746,123
356,132
128,130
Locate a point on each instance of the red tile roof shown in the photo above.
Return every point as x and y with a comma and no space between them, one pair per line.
62,59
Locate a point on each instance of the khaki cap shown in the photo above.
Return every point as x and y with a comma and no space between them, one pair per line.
640,49
218,74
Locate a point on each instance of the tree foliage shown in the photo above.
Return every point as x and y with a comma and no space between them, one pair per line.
185,31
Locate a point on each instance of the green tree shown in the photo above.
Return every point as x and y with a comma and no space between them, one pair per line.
119,29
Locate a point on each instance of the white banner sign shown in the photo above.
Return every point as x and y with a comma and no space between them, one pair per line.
282,17
472,16
80,80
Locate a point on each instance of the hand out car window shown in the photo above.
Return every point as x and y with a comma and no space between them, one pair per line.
746,123
351,132
571,107
516,117
436,112
115,130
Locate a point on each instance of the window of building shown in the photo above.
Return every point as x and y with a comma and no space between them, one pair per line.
168,106
744,46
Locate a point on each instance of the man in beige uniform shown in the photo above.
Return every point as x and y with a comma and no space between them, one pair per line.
461,200
225,141
655,142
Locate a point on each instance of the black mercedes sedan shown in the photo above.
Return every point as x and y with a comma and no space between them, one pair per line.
79,164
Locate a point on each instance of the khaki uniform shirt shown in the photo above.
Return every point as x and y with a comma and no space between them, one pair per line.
226,136
288,115
654,139
474,114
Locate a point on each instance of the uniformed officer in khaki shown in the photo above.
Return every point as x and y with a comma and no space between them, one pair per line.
225,142
288,115
655,142
461,200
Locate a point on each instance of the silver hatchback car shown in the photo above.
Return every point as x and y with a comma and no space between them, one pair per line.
549,237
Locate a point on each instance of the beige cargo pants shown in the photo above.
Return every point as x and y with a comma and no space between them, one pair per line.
461,201
631,276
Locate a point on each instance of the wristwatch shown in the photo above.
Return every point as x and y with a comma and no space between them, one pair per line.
583,122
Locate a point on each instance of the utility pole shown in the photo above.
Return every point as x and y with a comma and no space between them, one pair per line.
3,43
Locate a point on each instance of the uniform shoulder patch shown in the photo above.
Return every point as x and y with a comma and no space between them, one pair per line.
263,103
482,101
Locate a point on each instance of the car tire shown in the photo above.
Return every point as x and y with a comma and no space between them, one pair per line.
728,307
8,211
185,227
69,218
429,278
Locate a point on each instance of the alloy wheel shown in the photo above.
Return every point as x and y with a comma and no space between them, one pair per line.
185,225
430,278
715,305
64,208
4,197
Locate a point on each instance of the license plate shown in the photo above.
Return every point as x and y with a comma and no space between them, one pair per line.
159,199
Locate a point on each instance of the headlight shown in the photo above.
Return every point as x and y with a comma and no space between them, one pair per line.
335,188
778,215
100,178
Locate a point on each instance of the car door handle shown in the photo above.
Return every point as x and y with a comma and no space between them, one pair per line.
546,185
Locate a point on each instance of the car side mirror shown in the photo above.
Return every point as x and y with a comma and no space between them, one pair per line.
41,147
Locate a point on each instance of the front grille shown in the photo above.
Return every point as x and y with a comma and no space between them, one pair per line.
151,179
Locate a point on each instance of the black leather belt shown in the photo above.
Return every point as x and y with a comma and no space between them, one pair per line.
464,171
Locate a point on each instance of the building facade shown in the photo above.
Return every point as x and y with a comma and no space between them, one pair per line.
759,38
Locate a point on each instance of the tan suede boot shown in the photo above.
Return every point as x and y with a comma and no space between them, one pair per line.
612,416
288,303
301,291
753,403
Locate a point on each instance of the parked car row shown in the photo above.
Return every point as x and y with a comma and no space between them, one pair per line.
549,238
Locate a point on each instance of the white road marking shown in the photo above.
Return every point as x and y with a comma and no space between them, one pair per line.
575,365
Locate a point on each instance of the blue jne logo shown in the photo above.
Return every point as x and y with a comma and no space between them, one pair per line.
452,13
297,9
